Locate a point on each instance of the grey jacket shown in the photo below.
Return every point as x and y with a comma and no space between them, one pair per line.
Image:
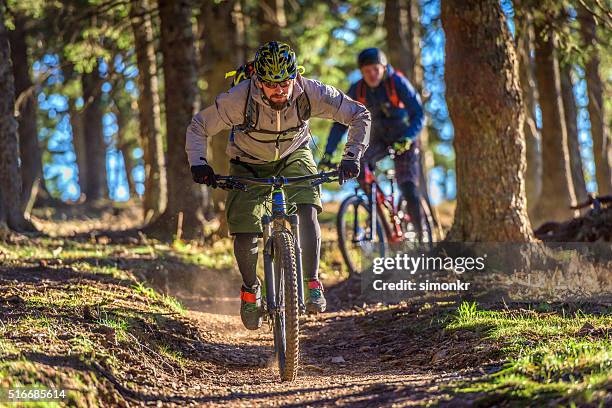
254,147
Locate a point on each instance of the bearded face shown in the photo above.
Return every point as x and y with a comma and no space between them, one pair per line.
277,93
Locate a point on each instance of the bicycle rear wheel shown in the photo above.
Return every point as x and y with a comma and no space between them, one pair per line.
286,320
358,244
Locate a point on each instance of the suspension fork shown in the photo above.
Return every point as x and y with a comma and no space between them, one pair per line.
295,231
268,265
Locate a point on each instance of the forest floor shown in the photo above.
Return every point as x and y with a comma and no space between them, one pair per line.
134,322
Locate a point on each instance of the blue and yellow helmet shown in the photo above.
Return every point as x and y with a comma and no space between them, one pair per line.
275,62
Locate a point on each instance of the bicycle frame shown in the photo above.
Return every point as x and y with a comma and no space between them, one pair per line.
276,221
393,231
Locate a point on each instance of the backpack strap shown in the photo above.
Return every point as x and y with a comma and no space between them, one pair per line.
303,107
251,116
251,112
361,92
392,92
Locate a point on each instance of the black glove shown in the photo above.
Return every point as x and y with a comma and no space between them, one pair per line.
348,169
325,163
204,174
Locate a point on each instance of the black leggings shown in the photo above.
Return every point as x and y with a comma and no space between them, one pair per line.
410,191
246,250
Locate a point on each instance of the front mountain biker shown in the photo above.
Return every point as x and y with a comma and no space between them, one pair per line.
268,115
397,119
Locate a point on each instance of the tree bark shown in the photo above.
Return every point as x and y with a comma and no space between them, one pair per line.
77,128
398,39
403,39
557,189
95,148
25,96
180,90
156,194
271,20
78,141
533,173
602,143
573,144
417,77
488,121
10,175
126,147
219,38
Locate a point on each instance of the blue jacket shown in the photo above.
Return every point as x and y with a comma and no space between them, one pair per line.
389,124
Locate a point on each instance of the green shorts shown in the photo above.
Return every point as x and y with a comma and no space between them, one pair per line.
244,209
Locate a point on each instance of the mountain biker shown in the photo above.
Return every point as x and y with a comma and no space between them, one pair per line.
397,119
270,134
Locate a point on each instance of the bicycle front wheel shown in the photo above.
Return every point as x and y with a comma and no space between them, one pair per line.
358,243
286,320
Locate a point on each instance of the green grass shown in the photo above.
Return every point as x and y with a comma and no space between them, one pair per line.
168,301
548,358
81,344
173,355
7,348
25,373
119,327
218,256
92,309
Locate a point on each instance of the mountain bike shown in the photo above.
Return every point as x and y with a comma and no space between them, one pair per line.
282,259
364,232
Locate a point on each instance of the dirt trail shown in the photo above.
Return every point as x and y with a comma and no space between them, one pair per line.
353,356
368,372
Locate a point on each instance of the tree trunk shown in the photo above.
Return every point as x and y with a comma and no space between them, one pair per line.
533,173
488,121
398,45
156,194
219,38
77,128
573,144
271,19
25,96
180,90
10,176
95,148
414,41
557,190
403,38
415,74
78,141
125,147
602,143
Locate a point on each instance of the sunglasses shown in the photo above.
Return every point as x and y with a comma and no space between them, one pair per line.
274,85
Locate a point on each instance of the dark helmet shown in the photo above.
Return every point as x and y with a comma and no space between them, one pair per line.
371,56
275,62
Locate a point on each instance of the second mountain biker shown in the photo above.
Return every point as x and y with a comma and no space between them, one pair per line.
397,119
269,117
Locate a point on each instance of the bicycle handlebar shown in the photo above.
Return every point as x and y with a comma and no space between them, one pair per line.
240,182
